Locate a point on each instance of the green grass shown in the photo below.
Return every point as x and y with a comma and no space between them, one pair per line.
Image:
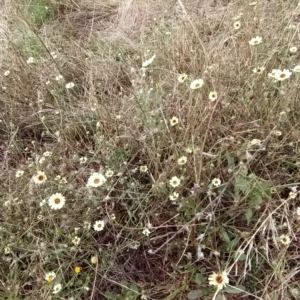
193,187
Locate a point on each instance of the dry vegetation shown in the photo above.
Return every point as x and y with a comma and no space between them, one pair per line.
122,178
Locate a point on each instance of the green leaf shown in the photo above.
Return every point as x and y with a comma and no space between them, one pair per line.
225,237
234,289
199,278
230,160
249,215
110,295
195,294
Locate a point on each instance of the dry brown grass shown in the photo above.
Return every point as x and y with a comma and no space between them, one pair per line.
118,117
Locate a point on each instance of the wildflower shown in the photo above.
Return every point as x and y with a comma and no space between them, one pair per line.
182,160
6,73
296,69
99,225
53,54
284,239
40,177
86,225
255,142
109,173
70,85
96,179
59,77
188,150
94,259
146,232
258,70
293,49
7,250
56,201
19,173
174,196
148,62
57,288
77,270
82,160
174,121
298,211
76,240
47,153
182,77
255,41
50,276
42,159
280,75
143,169
112,217
213,96
292,195
30,60
218,279
196,84
277,132
216,182
237,25
63,180
174,181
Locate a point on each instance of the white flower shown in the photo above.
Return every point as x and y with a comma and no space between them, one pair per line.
174,196
255,41
109,173
292,195
50,276
19,173
196,84
82,160
56,201
218,279
57,288
255,142
298,211
76,240
296,69
40,177
182,160
47,153
70,85
182,77
237,25
284,239
293,49
258,70
30,60
280,75
213,96
146,231
174,181
148,62
143,169
86,225
174,121
96,179
59,77
216,182
99,225
6,73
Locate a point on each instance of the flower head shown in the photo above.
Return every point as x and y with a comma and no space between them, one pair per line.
109,173
182,160
218,279
70,85
213,96
174,181
293,49
77,270
196,84
298,211
182,77
146,232
296,69
30,60
40,177
99,225
56,201
237,25
216,182
96,179
6,73
94,259
174,121
19,173
57,288
174,196
76,240
280,75
284,239
143,169
255,41
50,276
258,70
